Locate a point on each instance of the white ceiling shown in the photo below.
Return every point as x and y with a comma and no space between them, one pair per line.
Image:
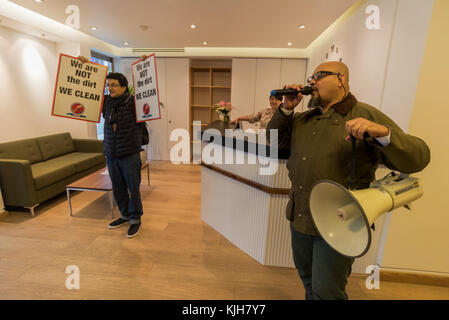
225,23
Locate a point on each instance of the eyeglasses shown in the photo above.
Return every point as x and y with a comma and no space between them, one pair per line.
112,85
321,74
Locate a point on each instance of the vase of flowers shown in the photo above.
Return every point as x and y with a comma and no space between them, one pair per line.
223,109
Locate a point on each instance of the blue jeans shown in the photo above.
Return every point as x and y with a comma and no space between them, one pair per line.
323,271
125,174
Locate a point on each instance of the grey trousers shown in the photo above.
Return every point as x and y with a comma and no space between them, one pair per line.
323,271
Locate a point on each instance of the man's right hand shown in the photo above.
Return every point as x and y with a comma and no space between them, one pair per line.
290,102
83,59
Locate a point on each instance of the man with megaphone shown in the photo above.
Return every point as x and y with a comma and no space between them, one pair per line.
321,149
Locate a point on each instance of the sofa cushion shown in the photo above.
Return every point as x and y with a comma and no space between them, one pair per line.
51,171
27,149
56,169
81,160
55,145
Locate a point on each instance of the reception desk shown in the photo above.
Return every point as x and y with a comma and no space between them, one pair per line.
245,206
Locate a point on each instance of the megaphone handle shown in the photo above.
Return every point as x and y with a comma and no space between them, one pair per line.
353,162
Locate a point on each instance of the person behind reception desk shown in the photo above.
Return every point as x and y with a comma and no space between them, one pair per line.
263,116
123,138
321,149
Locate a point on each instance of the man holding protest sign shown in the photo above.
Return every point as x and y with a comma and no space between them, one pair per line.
123,138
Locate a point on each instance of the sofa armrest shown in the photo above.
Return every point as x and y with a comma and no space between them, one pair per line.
16,183
88,145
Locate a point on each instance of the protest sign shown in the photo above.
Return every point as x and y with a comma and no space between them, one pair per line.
79,90
146,92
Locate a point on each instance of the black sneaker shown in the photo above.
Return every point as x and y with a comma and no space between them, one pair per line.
117,223
133,230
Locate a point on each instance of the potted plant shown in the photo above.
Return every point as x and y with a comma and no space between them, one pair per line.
223,109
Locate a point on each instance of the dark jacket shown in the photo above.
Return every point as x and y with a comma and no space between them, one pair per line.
127,138
319,151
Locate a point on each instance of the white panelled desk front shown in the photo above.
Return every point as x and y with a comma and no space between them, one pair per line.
252,217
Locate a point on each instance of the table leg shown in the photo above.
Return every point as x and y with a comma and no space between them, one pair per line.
111,203
70,203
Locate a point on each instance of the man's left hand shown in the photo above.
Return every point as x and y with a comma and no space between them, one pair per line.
357,128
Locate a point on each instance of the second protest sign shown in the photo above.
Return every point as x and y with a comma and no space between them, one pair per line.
146,92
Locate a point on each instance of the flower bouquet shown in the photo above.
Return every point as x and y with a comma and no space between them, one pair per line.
223,109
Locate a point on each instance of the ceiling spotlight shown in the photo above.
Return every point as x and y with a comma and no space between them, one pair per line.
193,26
302,26
39,1
125,43
205,42
144,27
93,28
289,43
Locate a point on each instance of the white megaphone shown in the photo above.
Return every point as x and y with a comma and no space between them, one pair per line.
343,217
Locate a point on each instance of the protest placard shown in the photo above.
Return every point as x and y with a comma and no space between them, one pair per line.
79,90
146,92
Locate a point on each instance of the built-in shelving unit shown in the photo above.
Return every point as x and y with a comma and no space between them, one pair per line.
210,83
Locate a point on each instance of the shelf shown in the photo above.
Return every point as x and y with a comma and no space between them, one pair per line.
201,69
217,69
208,85
213,87
221,69
200,106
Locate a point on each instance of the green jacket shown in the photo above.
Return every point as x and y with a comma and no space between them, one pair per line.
319,151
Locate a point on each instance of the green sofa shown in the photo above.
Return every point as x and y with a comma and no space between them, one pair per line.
34,170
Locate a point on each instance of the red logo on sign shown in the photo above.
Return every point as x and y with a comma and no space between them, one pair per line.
146,109
77,108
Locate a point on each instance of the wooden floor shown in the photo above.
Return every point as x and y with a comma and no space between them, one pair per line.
175,256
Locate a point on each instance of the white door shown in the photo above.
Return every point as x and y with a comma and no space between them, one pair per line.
243,91
177,96
268,77
294,71
158,146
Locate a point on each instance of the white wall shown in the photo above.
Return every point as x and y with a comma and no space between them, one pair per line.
418,239
384,68
28,67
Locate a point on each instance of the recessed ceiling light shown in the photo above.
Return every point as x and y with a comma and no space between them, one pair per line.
289,43
39,1
205,42
93,28
144,27
302,26
125,43
193,26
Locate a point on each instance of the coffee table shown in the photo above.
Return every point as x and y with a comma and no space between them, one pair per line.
98,181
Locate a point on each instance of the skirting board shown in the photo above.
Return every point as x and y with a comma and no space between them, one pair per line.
416,277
